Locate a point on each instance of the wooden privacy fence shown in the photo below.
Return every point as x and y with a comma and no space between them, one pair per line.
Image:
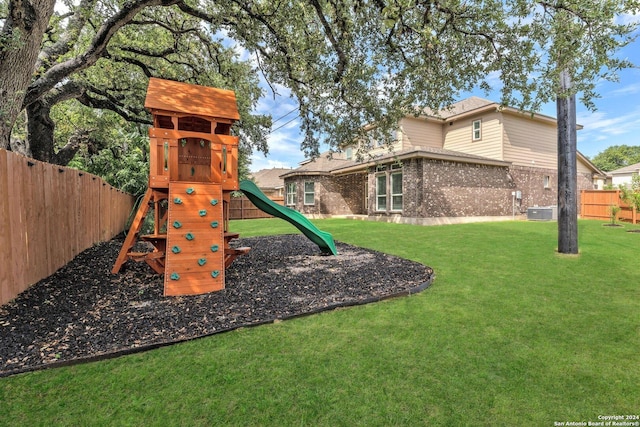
242,208
49,214
596,204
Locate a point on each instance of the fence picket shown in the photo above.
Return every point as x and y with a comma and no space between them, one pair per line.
48,214
596,204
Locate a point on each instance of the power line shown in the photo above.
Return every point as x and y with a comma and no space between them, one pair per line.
283,125
283,116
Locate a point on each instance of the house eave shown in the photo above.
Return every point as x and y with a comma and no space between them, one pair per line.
419,154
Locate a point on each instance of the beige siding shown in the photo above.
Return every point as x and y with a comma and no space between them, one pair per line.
583,167
416,132
529,142
458,136
385,150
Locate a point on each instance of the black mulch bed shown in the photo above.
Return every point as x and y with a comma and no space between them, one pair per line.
83,312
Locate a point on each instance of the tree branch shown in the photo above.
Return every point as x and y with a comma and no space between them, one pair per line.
95,50
74,27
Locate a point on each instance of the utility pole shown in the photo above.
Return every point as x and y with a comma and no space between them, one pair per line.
567,169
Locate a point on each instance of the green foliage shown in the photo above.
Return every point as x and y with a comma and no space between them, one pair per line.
613,213
348,63
616,157
631,194
121,159
509,334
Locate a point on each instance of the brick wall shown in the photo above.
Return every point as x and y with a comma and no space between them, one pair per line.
439,188
451,189
334,195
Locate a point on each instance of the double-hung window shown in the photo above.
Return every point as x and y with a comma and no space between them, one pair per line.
396,191
477,130
291,194
389,189
381,192
309,193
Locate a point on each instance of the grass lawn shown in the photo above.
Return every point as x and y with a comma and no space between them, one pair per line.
509,334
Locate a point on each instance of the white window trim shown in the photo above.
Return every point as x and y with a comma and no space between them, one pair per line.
385,195
290,186
313,193
392,194
546,181
388,195
478,130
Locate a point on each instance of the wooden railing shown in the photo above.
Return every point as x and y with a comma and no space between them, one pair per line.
596,204
49,214
242,208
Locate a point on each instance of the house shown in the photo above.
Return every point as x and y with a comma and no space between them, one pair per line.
623,175
476,160
269,181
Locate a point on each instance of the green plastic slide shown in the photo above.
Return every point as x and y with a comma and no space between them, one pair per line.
321,238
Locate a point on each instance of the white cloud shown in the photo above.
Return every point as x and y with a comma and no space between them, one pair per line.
627,19
600,126
626,90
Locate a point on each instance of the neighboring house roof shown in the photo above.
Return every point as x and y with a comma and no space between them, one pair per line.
270,178
627,170
336,163
471,104
475,105
326,164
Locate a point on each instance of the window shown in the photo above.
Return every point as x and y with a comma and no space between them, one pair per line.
349,153
309,193
396,191
477,130
389,189
381,192
547,181
291,194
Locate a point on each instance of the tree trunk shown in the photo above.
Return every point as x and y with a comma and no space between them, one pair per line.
40,128
21,37
567,170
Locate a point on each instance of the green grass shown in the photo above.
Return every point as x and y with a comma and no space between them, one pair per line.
510,334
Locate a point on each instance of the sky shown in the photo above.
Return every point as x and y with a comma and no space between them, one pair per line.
616,120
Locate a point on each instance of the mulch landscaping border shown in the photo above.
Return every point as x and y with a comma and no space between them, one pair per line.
282,278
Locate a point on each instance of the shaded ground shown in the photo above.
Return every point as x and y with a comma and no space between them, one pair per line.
83,312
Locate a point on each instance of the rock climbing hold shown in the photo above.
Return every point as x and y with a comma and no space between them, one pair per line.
202,261
175,250
177,201
214,202
214,248
175,276
190,190
177,224
189,236
215,273
202,212
214,224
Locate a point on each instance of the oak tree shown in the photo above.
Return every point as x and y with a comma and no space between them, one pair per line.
348,62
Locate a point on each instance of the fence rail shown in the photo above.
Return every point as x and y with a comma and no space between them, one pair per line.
242,208
596,204
49,214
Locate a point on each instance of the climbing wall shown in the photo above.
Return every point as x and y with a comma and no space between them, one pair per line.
195,239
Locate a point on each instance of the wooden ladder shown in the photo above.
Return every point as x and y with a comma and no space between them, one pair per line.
155,259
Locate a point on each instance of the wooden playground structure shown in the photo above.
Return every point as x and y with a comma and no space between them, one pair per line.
192,172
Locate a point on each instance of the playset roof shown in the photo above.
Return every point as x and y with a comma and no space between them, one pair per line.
168,95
